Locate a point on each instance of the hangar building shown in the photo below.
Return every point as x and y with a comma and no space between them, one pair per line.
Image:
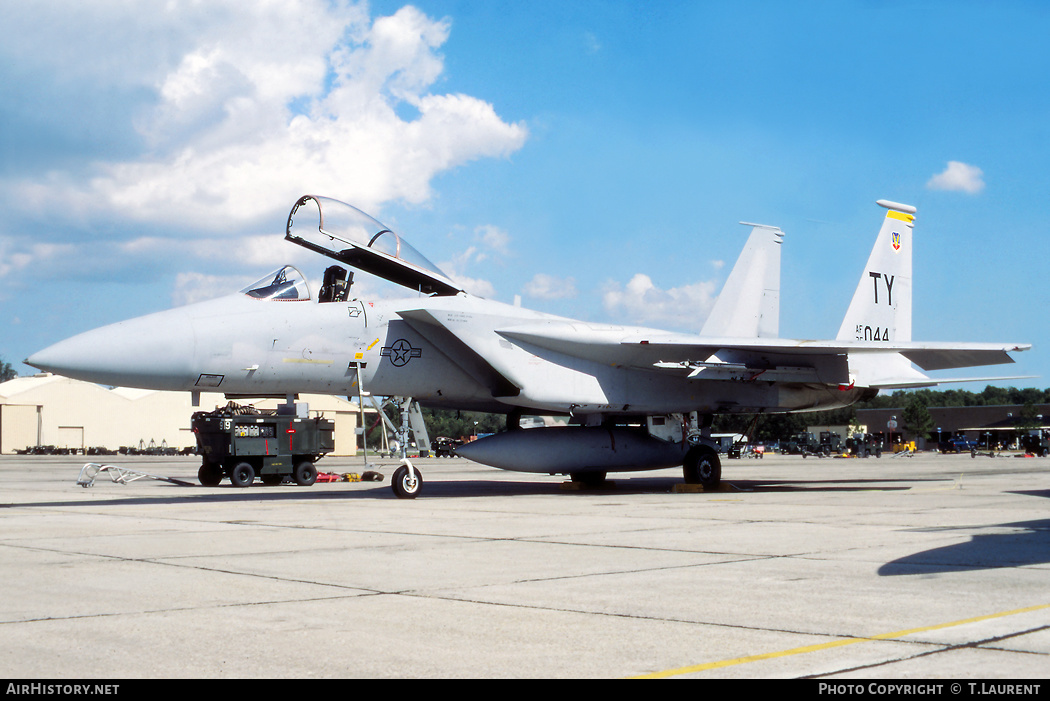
50,410
1003,421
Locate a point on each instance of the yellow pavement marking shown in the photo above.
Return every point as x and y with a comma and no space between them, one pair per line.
834,643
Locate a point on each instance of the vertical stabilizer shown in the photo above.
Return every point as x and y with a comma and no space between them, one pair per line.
881,306
749,304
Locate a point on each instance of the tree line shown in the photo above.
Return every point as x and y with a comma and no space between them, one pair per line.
914,406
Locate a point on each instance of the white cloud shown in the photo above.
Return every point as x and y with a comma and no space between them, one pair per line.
19,255
266,101
642,302
252,251
398,53
454,269
133,260
476,286
494,238
165,147
199,287
591,43
543,286
491,245
958,177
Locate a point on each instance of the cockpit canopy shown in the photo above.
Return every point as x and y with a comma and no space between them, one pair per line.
345,233
284,285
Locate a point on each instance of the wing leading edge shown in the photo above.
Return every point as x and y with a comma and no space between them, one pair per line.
655,351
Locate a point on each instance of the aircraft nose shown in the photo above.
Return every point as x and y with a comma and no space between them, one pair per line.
154,351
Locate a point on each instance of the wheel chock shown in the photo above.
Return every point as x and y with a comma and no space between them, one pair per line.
570,486
684,488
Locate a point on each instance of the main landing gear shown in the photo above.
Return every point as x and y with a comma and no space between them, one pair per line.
702,466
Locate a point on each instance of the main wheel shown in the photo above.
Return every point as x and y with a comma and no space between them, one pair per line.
588,479
702,466
210,474
242,475
406,485
305,474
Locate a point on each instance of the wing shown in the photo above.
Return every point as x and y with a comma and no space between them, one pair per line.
748,358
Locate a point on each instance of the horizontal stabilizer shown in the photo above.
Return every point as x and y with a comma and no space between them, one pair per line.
947,357
933,382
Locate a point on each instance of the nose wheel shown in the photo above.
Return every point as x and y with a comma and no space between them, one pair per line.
407,482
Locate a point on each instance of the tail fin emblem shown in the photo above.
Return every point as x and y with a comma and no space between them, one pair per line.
896,241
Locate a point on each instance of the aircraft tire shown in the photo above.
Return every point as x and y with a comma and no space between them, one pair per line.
242,475
209,475
702,466
403,486
305,474
588,479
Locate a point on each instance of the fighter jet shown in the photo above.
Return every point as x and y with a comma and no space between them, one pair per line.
637,398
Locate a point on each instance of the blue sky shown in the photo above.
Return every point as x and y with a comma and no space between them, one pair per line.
592,157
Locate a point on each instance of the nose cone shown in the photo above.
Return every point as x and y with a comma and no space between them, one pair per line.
152,352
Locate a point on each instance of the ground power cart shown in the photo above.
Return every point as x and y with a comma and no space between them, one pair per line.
267,445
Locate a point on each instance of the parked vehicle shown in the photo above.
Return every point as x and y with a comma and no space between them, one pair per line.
801,444
864,445
757,451
830,443
241,443
1036,442
445,447
958,444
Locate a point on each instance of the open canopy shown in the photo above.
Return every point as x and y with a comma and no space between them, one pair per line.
345,233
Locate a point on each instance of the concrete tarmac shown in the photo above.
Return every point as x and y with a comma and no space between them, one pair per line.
924,567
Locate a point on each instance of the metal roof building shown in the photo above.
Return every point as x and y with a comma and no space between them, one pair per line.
970,420
50,410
